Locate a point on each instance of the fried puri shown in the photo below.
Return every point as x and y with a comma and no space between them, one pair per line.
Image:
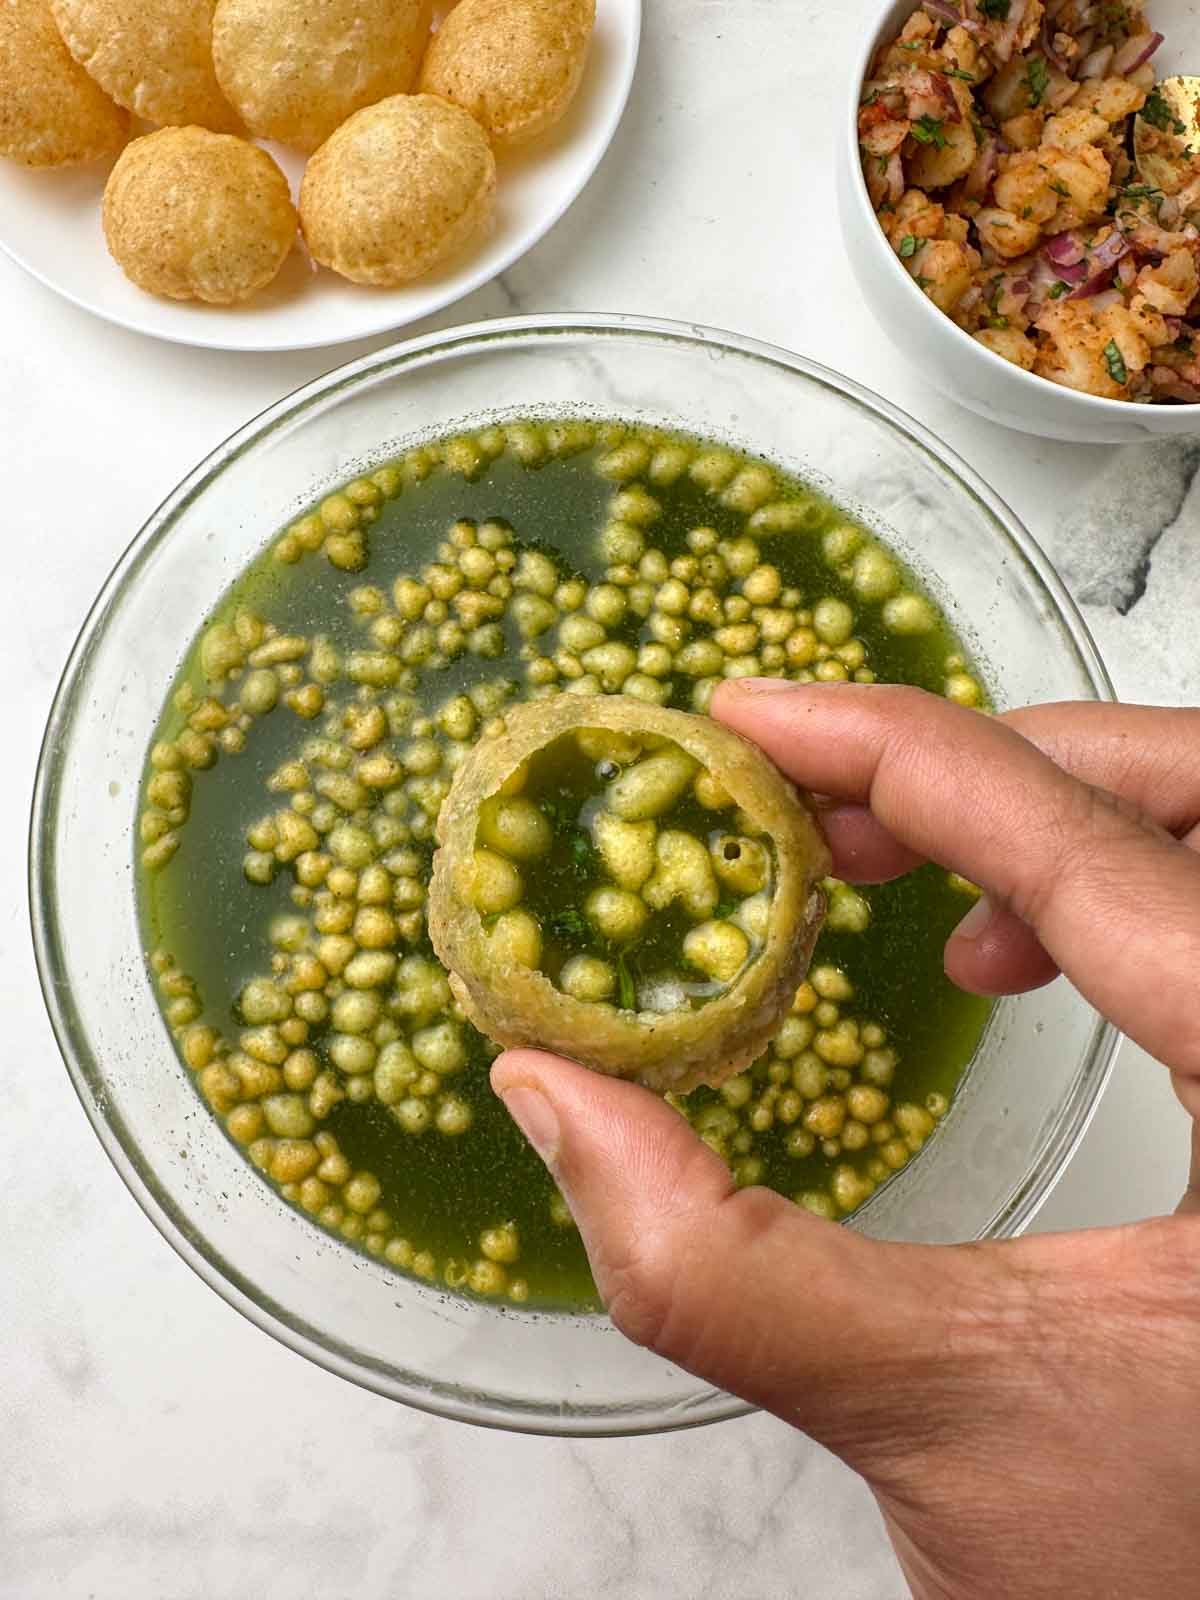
296,69
515,65
634,887
195,215
397,189
51,113
152,56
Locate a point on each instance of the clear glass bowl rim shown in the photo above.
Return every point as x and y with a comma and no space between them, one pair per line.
85,1071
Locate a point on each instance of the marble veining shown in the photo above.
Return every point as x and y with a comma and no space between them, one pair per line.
1107,541
155,1446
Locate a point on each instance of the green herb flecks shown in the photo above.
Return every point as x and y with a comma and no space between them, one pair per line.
1159,115
569,925
909,246
1037,81
1115,362
928,130
625,984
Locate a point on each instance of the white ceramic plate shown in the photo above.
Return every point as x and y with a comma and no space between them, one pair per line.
50,225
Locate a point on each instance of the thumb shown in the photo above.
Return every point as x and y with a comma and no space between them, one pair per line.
805,1318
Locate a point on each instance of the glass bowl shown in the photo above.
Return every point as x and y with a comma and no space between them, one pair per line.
1038,1072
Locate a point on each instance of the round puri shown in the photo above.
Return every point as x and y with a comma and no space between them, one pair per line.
195,215
397,189
518,1006
51,113
513,64
296,69
153,56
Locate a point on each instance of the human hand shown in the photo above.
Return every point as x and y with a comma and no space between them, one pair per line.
1027,1413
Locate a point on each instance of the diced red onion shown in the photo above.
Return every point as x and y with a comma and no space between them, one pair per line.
1135,52
1065,249
1174,326
1097,64
1095,285
1104,300
1048,50
1077,273
943,11
1021,286
1100,265
1044,278
895,179
1006,41
1127,272
1061,92
1108,253
979,179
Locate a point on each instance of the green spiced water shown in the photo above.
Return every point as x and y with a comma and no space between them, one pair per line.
287,829
603,917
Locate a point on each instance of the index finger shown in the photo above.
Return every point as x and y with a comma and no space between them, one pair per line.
1114,899
1148,755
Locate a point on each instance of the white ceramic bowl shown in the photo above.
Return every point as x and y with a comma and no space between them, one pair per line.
952,361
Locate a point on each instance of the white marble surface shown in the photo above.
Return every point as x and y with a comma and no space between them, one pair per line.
153,1446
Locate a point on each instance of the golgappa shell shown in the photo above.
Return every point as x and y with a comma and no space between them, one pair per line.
518,1006
296,69
152,56
195,215
51,112
397,189
515,65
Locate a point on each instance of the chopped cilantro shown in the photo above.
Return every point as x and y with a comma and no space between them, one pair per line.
995,290
996,9
1037,81
1140,191
626,984
1115,362
1158,114
1060,188
884,163
921,281
568,924
583,855
928,130
725,909
957,72
909,246
1060,289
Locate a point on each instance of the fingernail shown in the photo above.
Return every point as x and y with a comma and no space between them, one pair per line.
976,920
537,1120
